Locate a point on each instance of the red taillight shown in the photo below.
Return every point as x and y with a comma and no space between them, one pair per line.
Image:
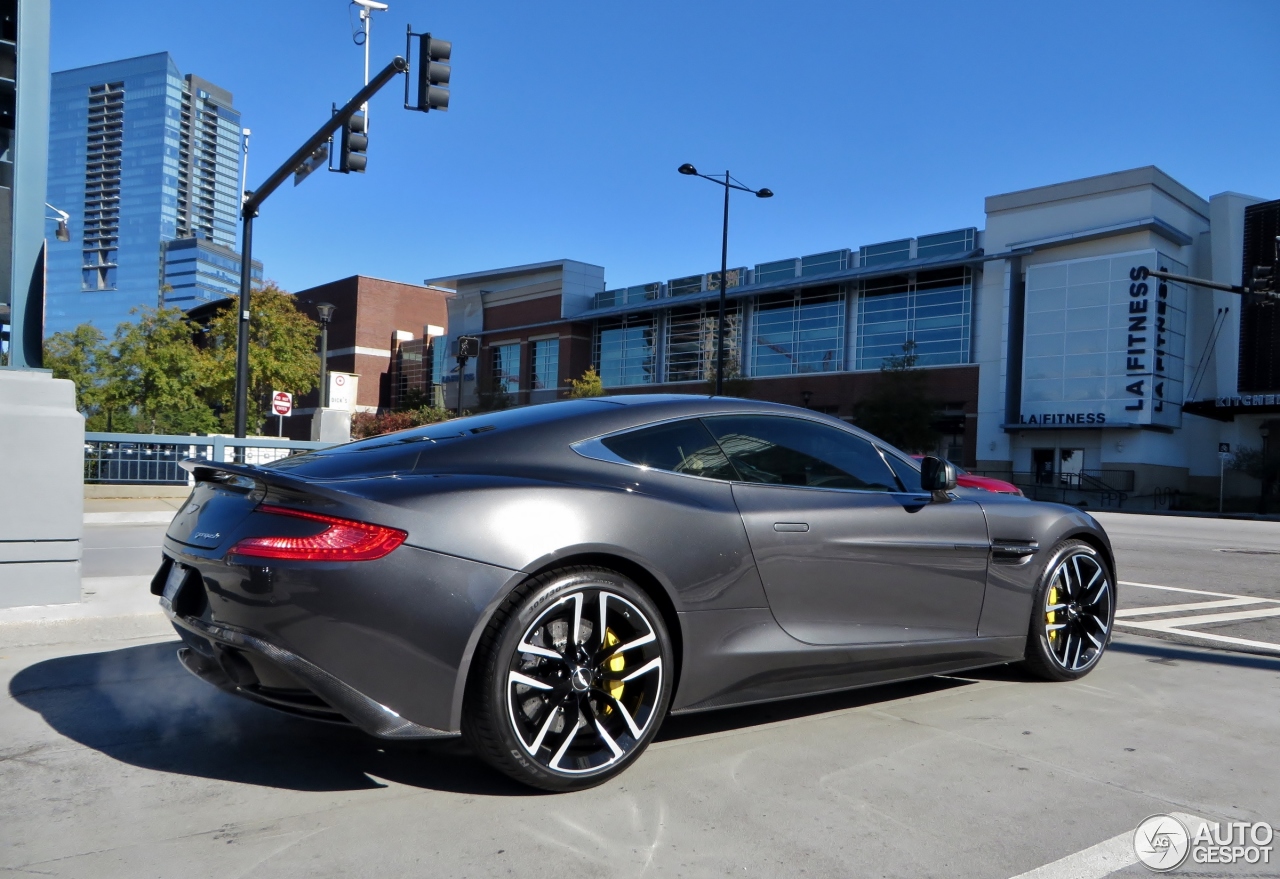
343,541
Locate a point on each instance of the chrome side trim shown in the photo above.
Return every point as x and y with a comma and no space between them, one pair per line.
369,715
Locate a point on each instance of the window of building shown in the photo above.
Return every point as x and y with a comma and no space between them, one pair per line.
824,263
793,451
691,341
882,254
544,365
506,368
624,351
679,447
934,311
798,331
945,243
780,270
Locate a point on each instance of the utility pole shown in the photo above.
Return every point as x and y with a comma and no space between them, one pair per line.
367,8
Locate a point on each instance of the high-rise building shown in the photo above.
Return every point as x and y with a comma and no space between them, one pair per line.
139,155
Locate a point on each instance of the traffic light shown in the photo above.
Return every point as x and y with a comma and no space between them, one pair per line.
355,143
468,347
432,74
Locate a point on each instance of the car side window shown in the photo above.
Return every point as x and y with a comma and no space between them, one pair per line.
777,450
909,476
680,447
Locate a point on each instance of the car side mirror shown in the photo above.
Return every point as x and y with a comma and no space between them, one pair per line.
937,477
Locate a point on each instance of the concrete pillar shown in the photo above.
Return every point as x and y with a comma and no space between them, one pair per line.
41,489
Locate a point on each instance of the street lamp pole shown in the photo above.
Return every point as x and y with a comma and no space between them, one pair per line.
325,310
728,183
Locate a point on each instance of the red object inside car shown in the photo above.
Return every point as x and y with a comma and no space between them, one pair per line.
986,483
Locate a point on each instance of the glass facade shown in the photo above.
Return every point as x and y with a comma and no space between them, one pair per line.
544,365
506,368
934,310
850,322
624,350
690,352
197,271
800,331
138,156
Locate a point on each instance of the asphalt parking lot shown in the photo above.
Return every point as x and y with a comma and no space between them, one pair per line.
115,762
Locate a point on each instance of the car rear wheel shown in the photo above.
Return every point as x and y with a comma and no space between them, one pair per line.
1073,613
573,679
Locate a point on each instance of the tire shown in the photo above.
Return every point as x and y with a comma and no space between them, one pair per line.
565,713
1073,613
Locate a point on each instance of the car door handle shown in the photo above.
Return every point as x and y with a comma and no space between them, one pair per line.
790,526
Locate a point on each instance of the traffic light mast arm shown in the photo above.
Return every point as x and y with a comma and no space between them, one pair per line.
258,196
1210,285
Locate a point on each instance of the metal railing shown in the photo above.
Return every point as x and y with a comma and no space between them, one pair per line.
147,458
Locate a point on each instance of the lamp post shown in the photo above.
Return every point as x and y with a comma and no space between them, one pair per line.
728,183
325,310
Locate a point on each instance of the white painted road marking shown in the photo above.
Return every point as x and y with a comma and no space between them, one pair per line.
1176,625
1195,605
1102,859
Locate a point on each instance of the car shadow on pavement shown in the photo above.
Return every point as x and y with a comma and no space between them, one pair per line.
724,719
139,706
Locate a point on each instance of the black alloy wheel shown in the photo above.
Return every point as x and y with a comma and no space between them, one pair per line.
1073,613
574,682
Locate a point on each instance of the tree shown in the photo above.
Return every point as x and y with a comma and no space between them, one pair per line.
900,411
587,386
157,374
366,424
282,354
735,384
81,355
1263,465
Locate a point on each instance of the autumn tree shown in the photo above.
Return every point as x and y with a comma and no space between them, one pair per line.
900,410
589,385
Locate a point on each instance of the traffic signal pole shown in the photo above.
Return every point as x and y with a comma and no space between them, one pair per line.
397,66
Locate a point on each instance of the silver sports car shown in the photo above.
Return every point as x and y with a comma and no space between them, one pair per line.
551,582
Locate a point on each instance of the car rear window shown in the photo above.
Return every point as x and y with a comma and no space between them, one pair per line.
679,447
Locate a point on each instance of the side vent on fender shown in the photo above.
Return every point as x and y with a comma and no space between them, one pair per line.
1008,551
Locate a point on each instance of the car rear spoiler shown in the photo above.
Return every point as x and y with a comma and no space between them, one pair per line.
261,477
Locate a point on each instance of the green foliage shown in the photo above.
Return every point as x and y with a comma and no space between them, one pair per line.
157,373
81,355
366,424
1263,465
900,411
587,386
282,354
152,376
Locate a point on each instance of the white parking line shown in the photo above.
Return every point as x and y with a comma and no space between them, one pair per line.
1176,625
1195,605
1102,859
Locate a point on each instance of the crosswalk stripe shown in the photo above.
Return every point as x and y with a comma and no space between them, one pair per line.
1178,589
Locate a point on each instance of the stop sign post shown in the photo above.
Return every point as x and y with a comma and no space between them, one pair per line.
281,405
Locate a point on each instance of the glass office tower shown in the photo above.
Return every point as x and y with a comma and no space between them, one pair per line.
139,155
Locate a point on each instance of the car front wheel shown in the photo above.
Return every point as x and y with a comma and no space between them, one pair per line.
572,682
1073,613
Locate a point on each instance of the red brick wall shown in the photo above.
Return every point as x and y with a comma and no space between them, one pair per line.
368,311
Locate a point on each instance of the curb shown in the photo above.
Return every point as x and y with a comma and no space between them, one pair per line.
147,517
111,608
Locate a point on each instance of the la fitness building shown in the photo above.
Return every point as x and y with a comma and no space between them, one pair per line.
1050,352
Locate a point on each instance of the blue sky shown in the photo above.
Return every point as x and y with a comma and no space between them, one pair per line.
870,121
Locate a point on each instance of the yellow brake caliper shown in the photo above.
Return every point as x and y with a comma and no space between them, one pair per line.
1051,616
616,663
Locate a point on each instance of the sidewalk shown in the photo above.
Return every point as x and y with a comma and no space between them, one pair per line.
110,609
131,511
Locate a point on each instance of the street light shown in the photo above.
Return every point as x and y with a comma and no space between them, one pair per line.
325,310
728,183
63,232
